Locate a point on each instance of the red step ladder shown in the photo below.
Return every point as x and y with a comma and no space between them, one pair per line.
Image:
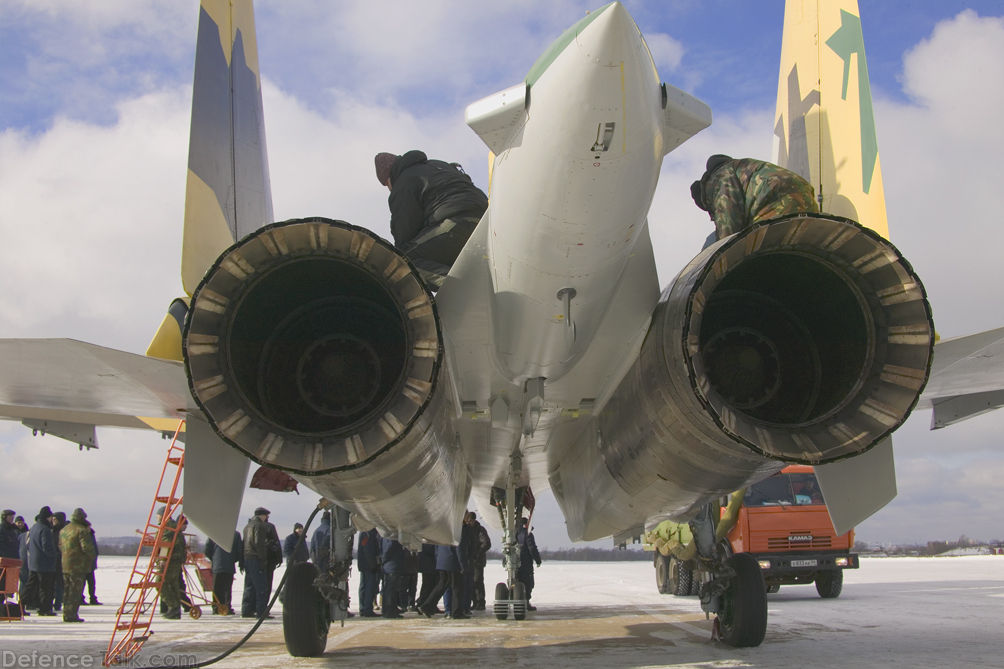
139,604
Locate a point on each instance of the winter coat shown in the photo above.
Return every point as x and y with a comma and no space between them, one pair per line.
320,546
224,562
273,546
9,535
745,191
77,546
426,192
452,558
392,555
528,553
368,552
427,559
94,539
42,548
484,544
289,544
171,533
256,541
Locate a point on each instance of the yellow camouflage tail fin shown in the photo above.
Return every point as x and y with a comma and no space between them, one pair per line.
228,194
824,124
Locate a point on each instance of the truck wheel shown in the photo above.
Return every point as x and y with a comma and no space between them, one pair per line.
743,618
679,578
304,620
662,573
829,584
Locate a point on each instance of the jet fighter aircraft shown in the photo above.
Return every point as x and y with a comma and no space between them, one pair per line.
550,357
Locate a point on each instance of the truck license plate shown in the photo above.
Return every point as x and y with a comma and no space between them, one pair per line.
803,563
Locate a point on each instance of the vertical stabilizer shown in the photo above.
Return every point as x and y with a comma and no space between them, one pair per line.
228,193
824,125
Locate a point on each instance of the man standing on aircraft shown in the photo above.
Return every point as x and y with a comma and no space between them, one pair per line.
434,209
737,193
528,554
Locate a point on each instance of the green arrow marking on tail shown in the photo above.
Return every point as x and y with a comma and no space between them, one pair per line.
848,40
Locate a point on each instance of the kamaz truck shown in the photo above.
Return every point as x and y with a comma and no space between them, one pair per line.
781,521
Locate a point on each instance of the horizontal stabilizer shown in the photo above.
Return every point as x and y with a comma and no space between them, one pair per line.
215,474
967,378
684,117
75,382
497,118
854,489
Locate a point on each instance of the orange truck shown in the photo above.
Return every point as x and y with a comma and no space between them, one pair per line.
783,523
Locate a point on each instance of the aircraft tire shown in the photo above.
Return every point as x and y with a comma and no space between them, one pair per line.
662,573
680,578
743,615
304,623
501,595
519,601
829,584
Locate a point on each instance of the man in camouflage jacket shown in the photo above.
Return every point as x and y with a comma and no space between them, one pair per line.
77,546
737,193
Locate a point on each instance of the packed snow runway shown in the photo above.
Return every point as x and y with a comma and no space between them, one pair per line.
893,611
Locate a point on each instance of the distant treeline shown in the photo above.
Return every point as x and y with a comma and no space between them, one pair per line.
587,554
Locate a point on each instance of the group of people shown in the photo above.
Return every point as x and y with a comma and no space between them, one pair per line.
58,557
389,571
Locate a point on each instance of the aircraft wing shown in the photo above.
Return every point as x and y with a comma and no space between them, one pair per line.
967,378
74,382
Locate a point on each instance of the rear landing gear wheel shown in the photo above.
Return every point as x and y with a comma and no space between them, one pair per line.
829,584
519,601
695,583
680,578
771,589
743,615
501,601
304,616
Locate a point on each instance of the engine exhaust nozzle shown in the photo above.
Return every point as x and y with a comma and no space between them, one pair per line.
312,345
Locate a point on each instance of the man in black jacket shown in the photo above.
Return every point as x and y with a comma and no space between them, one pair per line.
293,549
434,209
528,555
224,568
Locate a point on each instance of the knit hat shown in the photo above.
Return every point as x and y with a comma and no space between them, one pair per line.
79,514
384,161
297,526
44,513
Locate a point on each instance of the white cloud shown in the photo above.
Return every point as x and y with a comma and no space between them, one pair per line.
666,52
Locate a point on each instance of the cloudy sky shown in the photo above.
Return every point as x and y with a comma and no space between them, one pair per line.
94,108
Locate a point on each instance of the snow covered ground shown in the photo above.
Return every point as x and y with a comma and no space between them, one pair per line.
897,611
